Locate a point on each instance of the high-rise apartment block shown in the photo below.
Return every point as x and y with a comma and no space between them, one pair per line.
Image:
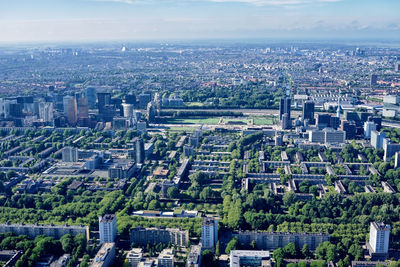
108,228
209,233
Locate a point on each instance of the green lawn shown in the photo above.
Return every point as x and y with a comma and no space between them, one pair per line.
181,129
199,120
244,120
263,120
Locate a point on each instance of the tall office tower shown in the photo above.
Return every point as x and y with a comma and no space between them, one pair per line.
70,109
369,126
46,111
284,107
209,233
323,120
103,100
144,99
83,110
139,146
308,111
15,110
379,238
127,110
377,139
397,67
69,154
130,99
334,122
286,123
90,94
350,128
373,80
108,228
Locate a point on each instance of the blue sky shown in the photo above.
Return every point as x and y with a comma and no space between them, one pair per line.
105,20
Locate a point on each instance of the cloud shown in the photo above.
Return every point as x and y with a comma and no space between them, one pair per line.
252,2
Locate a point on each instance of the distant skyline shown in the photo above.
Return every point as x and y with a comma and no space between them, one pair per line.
141,20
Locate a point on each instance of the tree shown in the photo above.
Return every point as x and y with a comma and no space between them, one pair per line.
306,252
232,245
290,250
218,249
173,192
289,198
278,256
154,205
207,258
67,243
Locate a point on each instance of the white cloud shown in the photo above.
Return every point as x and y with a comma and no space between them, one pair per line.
253,2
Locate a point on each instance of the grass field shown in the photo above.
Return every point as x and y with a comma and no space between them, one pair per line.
199,120
181,129
259,120
236,120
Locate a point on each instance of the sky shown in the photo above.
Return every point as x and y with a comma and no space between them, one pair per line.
140,20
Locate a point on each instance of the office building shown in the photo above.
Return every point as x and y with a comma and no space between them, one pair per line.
142,236
308,111
134,257
350,128
83,111
391,99
108,228
166,258
334,122
103,99
316,136
127,110
377,139
274,240
249,258
105,256
397,67
139,148
144,99
130,99
46,111
373,80
369,126
378,244
323,120
69,154
286,122
334,137
90,94
70,110
284,107
209,233
33,230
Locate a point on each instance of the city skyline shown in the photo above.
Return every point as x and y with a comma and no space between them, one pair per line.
109,20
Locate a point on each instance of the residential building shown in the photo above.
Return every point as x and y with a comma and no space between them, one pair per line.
108,228
166,258
105,256
389,149
274,240
134,257
33,230
209,233
69,154
378,244
143,236
377,139
249,258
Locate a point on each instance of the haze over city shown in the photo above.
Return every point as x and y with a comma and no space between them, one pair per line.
130,20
